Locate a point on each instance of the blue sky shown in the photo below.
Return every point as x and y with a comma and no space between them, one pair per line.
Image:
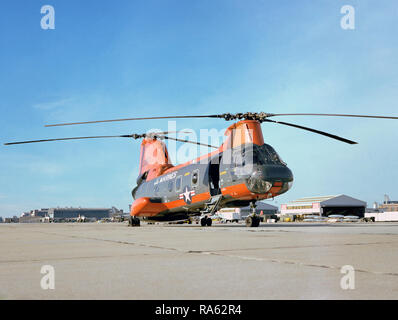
112,59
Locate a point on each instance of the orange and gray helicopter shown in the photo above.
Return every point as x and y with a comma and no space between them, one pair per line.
243,170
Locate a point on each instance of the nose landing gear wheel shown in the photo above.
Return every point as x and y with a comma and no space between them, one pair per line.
205,221
252,221
134,222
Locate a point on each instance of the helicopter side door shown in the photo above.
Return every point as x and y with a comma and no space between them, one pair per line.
214,176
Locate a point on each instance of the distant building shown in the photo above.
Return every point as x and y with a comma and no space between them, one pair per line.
389,206
69,214
30,219
383,216
325,206
1,219
387,211
34,216
74,213
14,219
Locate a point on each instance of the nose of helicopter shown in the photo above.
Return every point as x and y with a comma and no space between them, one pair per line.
274,173
262,180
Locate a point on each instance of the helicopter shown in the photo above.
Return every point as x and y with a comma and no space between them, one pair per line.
238,173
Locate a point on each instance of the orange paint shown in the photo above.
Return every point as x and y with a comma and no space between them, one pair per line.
242,132
153,154
143,207
238,191
155,159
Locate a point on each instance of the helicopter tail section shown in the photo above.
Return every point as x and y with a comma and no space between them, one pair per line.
154,158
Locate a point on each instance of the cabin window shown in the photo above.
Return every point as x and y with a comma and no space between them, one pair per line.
178,183
171,182
195,177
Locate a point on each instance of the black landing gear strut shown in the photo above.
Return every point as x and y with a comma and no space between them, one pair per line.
252,220
206,221
134,221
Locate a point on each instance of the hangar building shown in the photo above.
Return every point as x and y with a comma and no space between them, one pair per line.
70,213
325,206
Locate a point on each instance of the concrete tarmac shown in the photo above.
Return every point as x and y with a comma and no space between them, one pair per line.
274,261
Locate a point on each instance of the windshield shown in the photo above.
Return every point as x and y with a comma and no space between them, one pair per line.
266,154
255,154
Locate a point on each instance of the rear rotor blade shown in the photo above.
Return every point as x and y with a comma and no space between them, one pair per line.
332,115
73,138
314,131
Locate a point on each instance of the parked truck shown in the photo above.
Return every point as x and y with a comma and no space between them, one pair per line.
229,214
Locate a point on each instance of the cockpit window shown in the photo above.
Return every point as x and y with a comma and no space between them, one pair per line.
255,154
269,154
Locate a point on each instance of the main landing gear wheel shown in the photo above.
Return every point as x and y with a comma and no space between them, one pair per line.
134,222
206,221
252,221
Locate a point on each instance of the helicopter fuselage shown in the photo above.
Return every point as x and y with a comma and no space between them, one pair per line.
238,175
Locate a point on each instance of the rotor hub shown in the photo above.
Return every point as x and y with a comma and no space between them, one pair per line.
258,116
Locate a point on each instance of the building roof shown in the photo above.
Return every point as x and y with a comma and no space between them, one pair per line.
343,200
263,206
330,201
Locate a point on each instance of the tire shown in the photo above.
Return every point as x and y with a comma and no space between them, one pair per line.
209,222
256,222
252,221
137,222
134,222
203,221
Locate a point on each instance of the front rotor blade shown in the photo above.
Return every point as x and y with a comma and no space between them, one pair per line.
314,131
188,141
332,115
74,138
129,119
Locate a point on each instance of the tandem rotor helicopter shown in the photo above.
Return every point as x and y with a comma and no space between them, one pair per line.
243,170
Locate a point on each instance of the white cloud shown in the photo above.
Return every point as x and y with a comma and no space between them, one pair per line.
52,104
